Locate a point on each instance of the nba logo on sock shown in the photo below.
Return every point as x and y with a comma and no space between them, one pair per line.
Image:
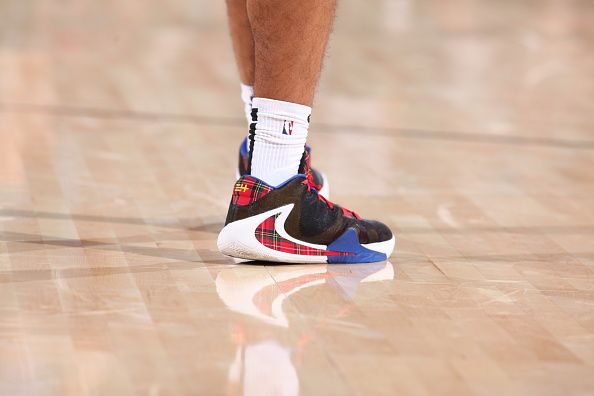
288,128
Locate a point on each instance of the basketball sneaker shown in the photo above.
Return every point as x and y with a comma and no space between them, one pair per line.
294,223
305,168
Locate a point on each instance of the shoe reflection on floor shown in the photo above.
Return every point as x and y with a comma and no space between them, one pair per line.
271,342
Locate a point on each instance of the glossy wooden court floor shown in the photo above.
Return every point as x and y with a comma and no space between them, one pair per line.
468,126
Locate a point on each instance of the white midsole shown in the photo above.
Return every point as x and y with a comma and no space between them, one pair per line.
386,247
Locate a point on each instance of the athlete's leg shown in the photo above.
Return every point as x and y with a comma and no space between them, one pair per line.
242,39
243,47
290,38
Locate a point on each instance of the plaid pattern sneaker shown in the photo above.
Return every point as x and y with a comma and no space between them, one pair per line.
294,223
317,177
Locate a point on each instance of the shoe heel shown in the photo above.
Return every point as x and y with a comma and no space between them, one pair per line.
230,242
238,239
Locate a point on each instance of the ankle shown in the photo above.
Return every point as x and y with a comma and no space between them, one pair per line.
277,139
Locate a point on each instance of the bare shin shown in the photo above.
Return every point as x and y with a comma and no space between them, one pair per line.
241,36
290,38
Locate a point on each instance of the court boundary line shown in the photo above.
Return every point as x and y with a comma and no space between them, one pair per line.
395,132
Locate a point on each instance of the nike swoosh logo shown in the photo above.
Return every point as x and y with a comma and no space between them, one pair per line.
266,233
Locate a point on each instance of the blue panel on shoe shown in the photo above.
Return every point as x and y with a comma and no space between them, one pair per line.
244,148
349,242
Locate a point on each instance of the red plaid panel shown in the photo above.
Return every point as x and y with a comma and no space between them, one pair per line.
248,190
267,236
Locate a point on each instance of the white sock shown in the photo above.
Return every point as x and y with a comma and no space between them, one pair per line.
278,139
247,93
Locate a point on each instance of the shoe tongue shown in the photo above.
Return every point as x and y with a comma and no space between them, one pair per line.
303,165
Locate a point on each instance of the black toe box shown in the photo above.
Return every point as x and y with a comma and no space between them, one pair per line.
371,231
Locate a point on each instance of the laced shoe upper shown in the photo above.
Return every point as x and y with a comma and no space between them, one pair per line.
313,219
